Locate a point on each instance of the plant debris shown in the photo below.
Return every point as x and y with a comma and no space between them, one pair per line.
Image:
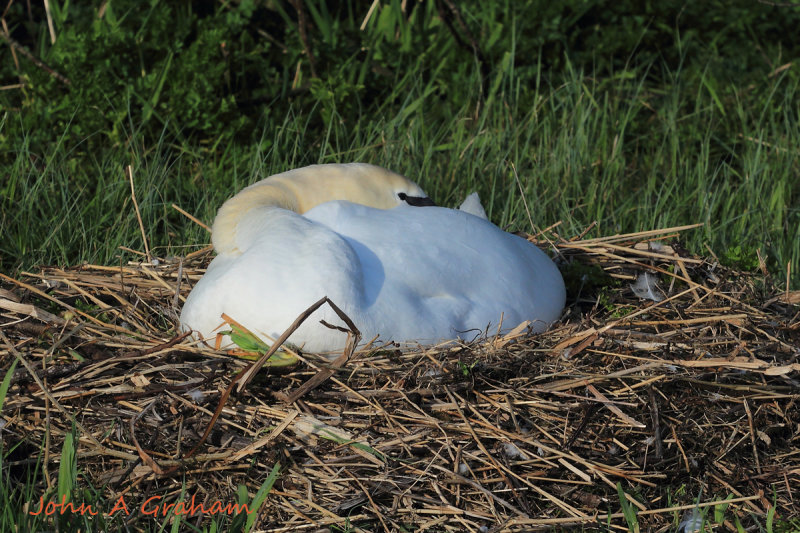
685,403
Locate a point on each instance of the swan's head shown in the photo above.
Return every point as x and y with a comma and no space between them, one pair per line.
304,188
359,183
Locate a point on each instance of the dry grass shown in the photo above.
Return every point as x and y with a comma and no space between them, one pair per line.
691,398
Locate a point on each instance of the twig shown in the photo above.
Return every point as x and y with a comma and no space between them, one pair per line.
352,341
35,60
146,458
473,43
302,25
656,424
190,217
129,172
779,4
752,434
177,298
368,16
50,22
244,377
6,33
522,193
466,481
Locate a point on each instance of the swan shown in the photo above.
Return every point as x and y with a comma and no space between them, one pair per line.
372,241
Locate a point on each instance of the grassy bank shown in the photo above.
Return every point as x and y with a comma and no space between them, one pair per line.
615,150
625,115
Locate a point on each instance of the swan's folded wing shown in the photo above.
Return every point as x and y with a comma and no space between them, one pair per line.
458,264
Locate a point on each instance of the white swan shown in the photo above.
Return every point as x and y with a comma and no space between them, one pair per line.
357,234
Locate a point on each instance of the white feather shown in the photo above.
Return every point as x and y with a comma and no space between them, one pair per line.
472,205
646,286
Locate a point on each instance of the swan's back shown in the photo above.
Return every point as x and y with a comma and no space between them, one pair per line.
459,264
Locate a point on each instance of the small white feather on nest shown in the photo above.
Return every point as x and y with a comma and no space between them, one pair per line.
646,286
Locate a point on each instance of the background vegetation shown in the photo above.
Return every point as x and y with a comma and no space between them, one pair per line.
631,114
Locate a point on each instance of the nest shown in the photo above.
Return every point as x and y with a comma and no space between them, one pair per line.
669,386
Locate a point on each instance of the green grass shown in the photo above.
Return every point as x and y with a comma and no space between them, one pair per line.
630,116
620,150
633,116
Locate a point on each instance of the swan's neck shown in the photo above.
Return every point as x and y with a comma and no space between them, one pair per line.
224,229
302,189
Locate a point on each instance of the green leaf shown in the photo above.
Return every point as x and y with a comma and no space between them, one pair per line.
247,341
6,383
261,496
628,510
719,510
67,469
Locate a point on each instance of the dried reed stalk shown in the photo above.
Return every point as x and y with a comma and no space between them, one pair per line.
693,396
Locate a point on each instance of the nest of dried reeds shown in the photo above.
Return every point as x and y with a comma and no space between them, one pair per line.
682,398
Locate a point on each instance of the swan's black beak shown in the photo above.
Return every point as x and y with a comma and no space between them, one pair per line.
416,201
